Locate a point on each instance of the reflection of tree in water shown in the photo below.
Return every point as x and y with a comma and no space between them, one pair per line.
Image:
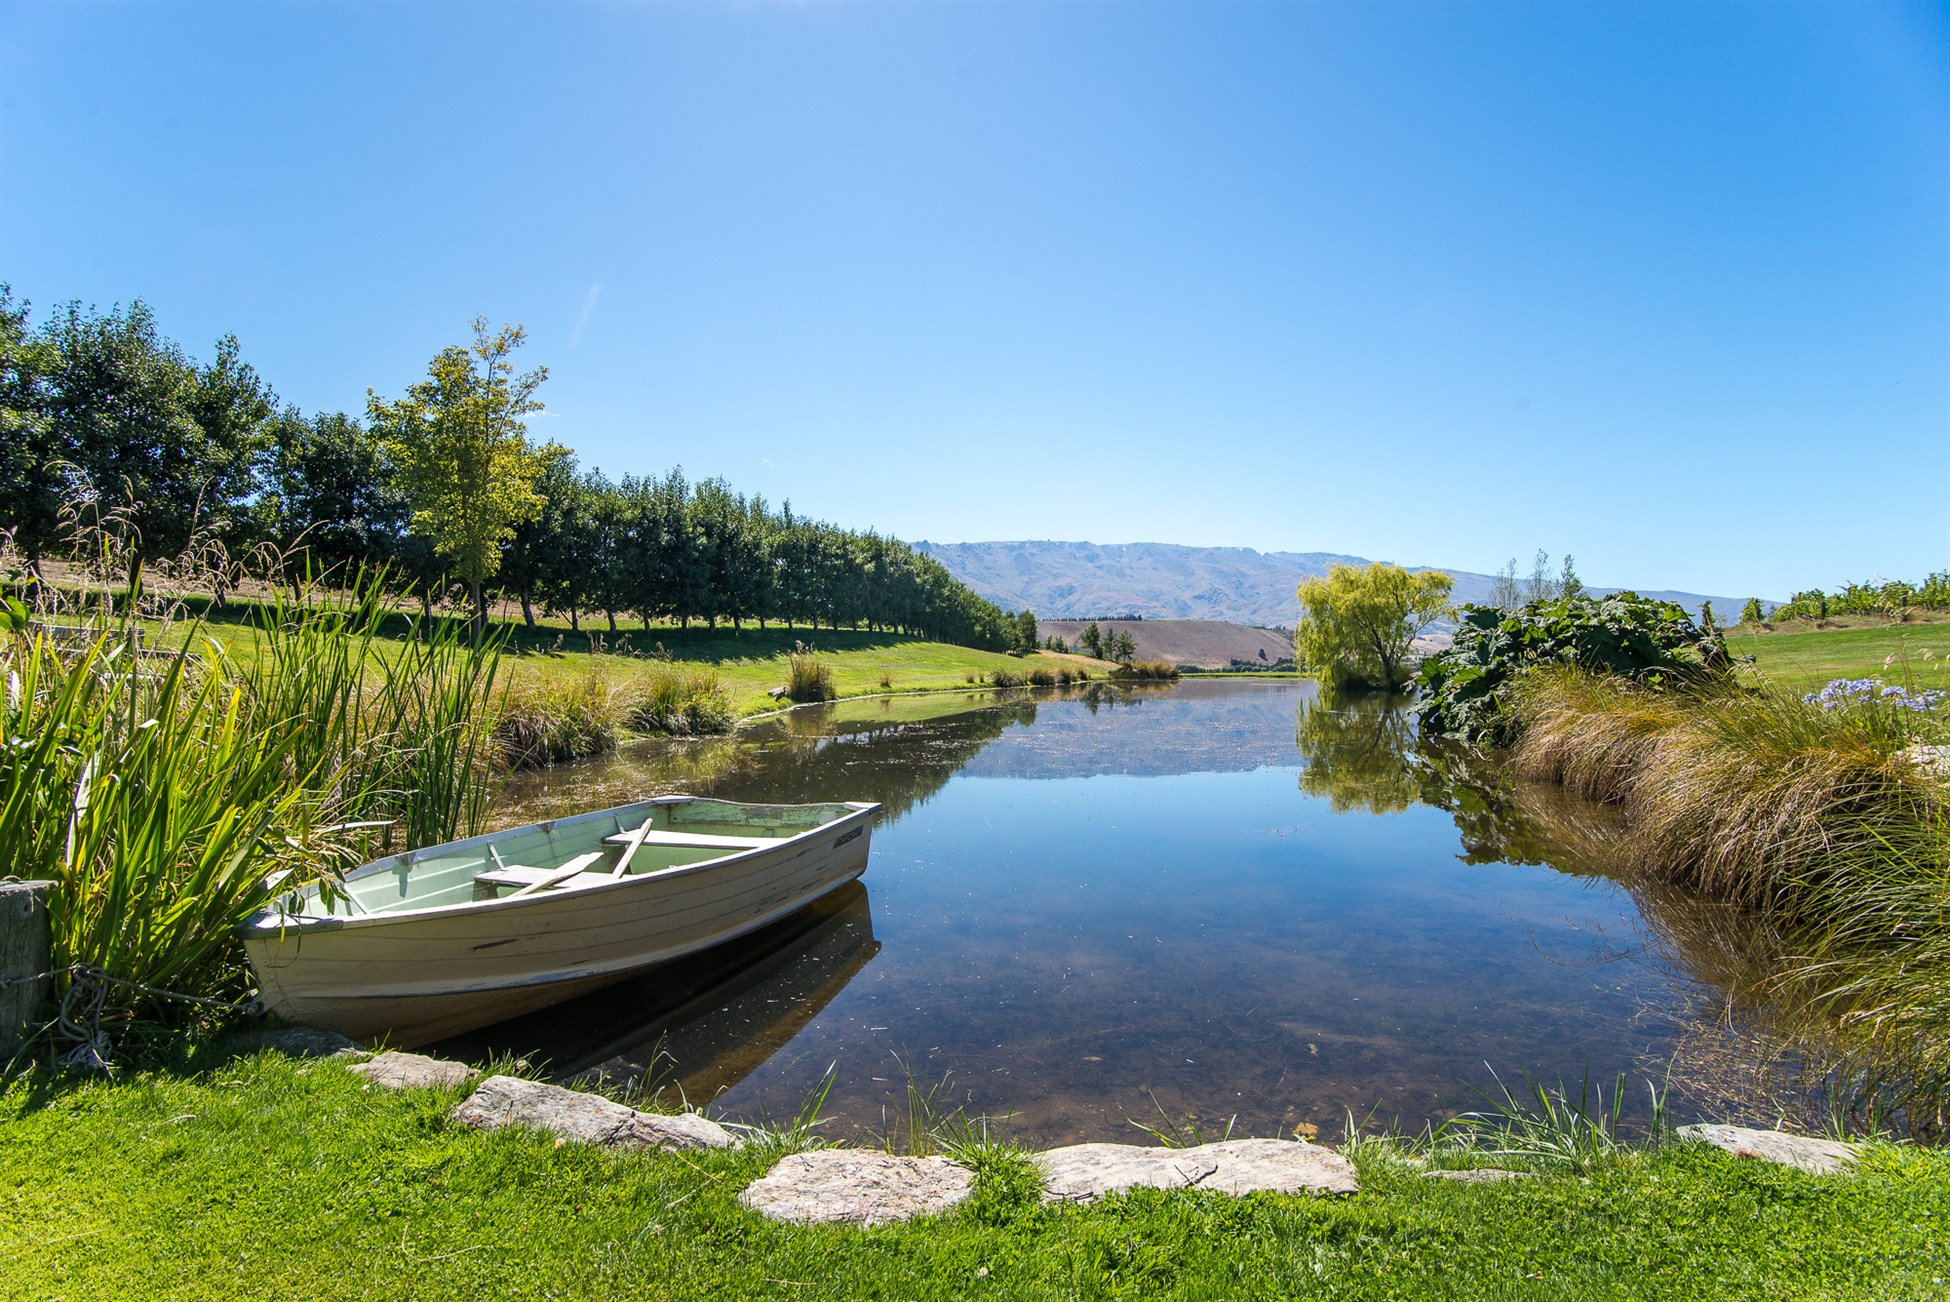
1356,746
899,757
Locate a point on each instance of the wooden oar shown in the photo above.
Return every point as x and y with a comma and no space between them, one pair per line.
629,851
560,875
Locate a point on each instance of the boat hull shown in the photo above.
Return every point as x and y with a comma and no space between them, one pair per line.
421,975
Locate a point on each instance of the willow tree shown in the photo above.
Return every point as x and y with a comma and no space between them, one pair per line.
461,451
1358,625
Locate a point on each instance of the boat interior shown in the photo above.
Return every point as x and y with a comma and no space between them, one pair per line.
565,854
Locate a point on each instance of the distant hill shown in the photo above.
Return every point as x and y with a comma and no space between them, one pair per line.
1083,581
1209,644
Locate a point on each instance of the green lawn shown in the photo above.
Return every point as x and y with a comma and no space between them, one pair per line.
1806,658
749,661
271,1178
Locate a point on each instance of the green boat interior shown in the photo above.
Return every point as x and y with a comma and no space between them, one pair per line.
566,853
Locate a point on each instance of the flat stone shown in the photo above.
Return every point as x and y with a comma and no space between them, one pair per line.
1480,1175
1816,1156
857,1187
579,1118
406,1071
1084,1172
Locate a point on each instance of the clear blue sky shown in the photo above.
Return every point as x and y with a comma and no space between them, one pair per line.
1663,285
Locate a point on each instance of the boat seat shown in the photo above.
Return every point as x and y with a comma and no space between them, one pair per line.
525,878
693,840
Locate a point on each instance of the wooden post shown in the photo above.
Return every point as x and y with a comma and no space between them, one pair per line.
26,948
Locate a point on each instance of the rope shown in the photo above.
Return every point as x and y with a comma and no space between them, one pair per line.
80,1018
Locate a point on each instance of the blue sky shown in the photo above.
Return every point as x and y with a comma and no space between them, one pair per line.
1664,286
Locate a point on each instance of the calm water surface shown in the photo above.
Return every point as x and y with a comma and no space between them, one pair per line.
1211,900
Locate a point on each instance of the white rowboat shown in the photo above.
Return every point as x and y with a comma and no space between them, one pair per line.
427,944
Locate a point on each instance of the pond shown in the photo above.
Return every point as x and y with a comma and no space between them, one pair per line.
1211,903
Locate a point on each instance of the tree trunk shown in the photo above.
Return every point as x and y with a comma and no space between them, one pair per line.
612,621
527,610
480,608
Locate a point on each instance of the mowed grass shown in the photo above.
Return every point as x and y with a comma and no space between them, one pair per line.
749,662
1804,658
272,1178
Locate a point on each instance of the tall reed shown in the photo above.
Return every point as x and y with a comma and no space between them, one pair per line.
158,791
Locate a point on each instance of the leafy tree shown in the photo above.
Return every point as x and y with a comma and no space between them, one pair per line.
329,501
1358,625
1092,640
1120,646
1026,630
135,416
31,478
463,455
1751,614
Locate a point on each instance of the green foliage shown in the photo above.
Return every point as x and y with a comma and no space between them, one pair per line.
1465,688
681,702
1358,625
157,790
1884,597
1753,613
462,455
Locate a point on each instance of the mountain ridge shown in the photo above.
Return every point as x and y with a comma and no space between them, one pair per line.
1084,580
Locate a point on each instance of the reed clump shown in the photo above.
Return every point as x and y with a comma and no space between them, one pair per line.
1156,670
808,678
683,703
551,724
160,790
1753,795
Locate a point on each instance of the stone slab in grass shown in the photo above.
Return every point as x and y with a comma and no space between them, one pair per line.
394,1070
578,1118
1816,1156
1084,1172
857,1187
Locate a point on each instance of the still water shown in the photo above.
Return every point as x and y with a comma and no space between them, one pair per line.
1206,901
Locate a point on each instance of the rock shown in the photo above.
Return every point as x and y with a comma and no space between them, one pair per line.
406,1071
1933,760
857,1187
1816,1156
1480,1175
1083,1172
583,1118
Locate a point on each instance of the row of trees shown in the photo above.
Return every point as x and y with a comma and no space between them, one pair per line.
440,486
1885,597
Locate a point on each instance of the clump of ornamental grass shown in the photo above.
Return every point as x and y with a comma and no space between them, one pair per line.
549,724
1005,678
682,703
808,678
1158,670
1755,795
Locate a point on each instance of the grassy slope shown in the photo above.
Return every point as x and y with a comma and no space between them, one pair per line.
269,1178
1799,656
750,661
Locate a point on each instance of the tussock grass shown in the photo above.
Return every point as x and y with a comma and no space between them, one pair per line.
1753,796
808,678
1159,670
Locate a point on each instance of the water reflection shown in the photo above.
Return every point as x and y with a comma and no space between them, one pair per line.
694,1028
1356,746
1091,905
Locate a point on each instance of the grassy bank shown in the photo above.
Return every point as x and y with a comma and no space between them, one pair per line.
266,1177
1798,655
